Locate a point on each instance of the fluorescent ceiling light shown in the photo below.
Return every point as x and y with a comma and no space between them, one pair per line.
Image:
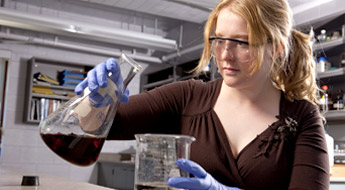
306,6
199,5
13,18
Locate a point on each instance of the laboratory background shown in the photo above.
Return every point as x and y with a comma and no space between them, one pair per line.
43,42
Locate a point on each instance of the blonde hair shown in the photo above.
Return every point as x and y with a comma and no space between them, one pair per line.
271,20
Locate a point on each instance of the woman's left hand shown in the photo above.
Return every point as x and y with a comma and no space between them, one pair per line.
201,181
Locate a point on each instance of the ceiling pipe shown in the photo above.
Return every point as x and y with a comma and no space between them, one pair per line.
182,52
43,23
39,41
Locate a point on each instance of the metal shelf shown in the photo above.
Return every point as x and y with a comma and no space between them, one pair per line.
37,95
329,44
158,83
33,121
335,115
331,73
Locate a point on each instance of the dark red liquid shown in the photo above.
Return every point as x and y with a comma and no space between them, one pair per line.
77,149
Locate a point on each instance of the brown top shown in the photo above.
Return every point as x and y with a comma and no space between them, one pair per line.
290,154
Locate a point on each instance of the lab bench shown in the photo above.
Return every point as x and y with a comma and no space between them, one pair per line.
337,177
11,179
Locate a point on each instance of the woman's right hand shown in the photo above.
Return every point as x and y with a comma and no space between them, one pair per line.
98,78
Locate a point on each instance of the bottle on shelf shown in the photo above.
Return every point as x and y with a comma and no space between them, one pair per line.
323,65
338,103
322,37
324,98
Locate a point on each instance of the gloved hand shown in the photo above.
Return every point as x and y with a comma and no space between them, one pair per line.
201,181
98,78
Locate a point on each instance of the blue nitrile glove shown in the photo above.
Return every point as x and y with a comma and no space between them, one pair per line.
98,78
201,181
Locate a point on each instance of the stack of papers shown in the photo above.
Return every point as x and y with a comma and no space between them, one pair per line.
71,78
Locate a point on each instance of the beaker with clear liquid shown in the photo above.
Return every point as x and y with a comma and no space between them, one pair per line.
76,131
155,160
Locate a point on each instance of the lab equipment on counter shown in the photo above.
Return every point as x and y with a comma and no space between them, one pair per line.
155,160
30,181
77,130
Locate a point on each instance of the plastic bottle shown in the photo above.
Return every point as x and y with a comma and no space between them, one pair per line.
321,64
324,98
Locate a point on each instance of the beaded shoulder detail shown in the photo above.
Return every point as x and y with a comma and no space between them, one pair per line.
284,129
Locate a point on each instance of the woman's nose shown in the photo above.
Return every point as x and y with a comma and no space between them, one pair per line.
227,54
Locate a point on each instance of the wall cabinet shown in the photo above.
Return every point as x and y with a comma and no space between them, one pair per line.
178,72
118,175
44,97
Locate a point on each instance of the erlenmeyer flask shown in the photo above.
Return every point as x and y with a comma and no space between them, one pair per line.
77,130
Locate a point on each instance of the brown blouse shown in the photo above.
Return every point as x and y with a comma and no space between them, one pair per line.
290,154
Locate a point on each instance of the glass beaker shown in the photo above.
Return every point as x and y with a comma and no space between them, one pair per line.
76,131
155,160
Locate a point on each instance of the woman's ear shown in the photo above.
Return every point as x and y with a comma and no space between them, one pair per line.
279,50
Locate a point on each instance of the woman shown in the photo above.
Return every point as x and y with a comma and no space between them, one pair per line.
258,127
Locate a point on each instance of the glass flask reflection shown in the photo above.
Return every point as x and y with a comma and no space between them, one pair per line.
76,131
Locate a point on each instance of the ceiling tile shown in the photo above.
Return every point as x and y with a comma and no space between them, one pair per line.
159,7
108,2
123,3
135,5
148,5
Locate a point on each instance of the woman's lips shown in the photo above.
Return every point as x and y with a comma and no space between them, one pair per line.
230,71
